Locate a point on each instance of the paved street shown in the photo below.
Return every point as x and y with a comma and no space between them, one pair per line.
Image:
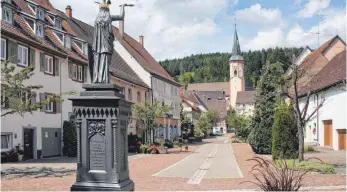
211,166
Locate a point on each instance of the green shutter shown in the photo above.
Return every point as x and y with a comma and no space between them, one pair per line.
42,62
32,57
70,69
42,101
85,75
56,66
12,52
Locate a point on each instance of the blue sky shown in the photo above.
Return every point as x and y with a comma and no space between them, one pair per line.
178,28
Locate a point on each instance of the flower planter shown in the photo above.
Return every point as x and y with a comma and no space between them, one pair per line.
20,157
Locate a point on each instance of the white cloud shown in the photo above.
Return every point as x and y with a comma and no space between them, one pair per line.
265,39
312,7
333,23
258,15
171,28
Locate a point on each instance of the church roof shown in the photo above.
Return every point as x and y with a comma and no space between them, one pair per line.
236,51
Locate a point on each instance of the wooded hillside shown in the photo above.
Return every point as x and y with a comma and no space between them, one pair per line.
214,67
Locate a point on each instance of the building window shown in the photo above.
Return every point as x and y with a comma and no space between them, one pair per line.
164,87
129,94
49,106
6,140
33,7
3,48
31,23
51,17
60,36
75,72
155,85
49,68
39,30
22,56
82,46
7,15
25,96
80,73
138,96
40,14
58,23
67,42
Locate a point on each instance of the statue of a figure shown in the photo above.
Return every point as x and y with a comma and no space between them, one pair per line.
103,42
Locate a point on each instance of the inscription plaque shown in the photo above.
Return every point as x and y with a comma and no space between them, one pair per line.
97,152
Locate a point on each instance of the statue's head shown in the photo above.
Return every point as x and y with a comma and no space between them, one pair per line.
105,4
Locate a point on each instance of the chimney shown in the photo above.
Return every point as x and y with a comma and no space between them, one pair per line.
68,11
121,28
141,40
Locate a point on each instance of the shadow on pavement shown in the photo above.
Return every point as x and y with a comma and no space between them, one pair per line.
35,172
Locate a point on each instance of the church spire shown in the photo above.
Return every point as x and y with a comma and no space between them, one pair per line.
236,51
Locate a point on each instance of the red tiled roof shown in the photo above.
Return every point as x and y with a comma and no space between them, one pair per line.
45,4
142,55
24,7
71,54
217,86
332,73
245,97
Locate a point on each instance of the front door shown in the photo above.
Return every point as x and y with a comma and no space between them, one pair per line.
328,133
342,138
51,142
28,144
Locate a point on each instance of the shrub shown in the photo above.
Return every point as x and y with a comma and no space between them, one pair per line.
269,177
308,165
143,148
308,148
69,139
284,130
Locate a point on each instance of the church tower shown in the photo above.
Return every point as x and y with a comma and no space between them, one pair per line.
236,64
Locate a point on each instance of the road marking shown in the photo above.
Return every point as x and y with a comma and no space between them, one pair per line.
161,171
201,172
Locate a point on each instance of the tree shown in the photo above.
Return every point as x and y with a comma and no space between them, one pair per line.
212,117
18,97
284,132
239,122
202,126
69,139
262,120
184,120
146,113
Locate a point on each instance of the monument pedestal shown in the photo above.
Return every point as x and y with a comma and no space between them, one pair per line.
101,117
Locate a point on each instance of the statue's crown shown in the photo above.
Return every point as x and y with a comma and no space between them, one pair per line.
104,5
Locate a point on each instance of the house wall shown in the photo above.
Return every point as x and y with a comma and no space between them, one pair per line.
245,109
134,89
37,119
237,82
336,47
331,110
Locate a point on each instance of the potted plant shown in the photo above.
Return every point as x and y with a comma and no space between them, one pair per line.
20,152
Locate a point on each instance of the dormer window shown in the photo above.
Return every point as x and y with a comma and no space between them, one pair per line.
58,23
39,30
51,17
31,23
40,14
8,1
60,36
82,46
7,15
67,42
33,7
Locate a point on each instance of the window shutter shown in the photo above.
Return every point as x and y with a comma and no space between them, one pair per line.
33,97
42,62
42,99
32,57
12,52
58,105
56,66
70,70
85,75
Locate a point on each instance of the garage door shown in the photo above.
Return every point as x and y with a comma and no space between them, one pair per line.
342,138
51,142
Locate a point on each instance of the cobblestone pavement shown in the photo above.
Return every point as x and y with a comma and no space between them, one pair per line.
143,169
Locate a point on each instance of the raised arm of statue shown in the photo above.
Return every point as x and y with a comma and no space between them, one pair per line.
122,13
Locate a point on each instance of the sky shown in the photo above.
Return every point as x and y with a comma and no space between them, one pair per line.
179,28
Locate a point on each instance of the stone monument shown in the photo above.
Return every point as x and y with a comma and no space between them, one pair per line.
101,116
